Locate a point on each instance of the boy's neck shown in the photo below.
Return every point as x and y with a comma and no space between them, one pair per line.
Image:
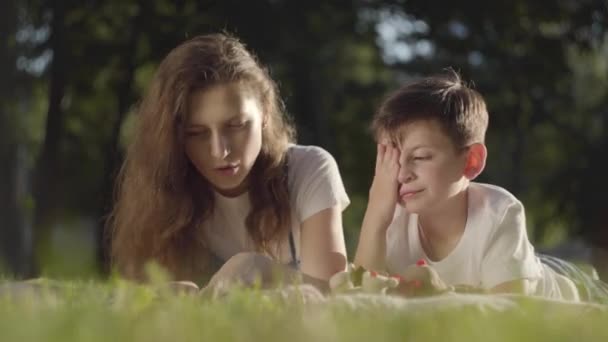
446,222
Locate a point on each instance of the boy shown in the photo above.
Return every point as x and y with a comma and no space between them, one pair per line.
424,205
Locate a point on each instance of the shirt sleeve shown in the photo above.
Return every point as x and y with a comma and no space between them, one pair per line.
317,184
509,255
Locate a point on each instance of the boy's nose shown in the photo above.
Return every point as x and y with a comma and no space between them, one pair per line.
405,175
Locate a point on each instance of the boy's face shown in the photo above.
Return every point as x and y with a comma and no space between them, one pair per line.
431,167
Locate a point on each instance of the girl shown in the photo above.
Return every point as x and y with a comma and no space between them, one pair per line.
211,174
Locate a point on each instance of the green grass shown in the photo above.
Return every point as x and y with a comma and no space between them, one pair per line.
119,311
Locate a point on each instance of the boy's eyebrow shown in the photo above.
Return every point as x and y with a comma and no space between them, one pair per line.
415,147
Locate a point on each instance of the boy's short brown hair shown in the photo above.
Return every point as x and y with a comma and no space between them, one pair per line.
459,109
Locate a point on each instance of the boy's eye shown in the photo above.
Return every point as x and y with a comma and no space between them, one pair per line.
421,157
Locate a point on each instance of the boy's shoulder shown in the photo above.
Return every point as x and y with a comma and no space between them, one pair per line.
492,197
493,209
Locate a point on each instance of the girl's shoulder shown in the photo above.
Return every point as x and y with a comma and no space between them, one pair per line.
304,154
314,178
307,160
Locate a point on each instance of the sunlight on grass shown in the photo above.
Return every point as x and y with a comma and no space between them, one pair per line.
121,311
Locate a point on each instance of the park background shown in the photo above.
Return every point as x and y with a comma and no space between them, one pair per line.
72,72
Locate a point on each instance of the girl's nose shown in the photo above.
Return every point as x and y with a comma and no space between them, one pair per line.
219,146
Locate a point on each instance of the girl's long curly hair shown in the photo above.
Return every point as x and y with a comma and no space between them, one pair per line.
161,199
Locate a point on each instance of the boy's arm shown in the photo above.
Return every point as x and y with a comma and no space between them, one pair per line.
517,286
371,250
509,264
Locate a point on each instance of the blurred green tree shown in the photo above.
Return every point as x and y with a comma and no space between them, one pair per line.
541,67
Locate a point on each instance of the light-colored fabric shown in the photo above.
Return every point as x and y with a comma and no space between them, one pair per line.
567,289
494,247
314,184
555,285
588,287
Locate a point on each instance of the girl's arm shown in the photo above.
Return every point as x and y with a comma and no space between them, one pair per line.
323,252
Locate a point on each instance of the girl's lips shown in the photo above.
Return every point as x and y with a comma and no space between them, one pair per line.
229,170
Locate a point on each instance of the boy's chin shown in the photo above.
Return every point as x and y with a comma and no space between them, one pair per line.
409,207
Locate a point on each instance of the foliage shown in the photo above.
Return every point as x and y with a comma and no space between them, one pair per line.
76,70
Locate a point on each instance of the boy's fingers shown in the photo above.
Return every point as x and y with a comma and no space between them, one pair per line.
395,155
388,152
379,155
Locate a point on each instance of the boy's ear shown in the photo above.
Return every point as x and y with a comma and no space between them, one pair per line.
475,160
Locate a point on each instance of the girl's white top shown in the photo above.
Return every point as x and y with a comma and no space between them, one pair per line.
314,184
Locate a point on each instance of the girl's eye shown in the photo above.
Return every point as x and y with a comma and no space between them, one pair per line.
197,133
237,124
421,157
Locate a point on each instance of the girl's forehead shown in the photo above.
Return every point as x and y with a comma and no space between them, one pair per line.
222,102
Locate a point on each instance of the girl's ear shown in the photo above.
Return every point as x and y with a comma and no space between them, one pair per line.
475,160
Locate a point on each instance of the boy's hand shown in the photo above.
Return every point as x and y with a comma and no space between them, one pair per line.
383,193
421,280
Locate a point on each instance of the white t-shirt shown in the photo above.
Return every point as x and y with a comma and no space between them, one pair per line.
314,184
493,249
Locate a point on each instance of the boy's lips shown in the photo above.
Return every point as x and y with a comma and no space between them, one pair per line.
407,193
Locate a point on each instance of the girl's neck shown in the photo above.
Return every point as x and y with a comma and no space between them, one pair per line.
235,192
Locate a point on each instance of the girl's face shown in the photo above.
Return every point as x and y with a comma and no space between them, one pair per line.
431,167
224,135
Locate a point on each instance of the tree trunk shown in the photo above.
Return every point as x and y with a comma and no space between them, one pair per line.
47,164
13,246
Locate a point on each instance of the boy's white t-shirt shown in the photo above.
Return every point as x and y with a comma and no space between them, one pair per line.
493,249
314,184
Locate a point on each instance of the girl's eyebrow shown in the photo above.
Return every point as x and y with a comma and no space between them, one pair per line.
236,116
196,126
239,117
